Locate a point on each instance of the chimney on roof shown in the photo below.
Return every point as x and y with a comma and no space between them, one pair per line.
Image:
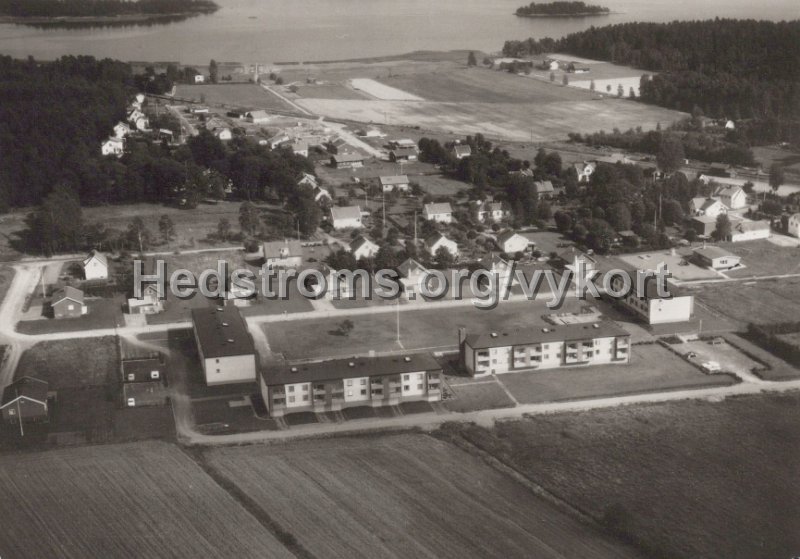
407,359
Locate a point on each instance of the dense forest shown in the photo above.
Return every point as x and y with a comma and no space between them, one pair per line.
739,69
552,9
102,8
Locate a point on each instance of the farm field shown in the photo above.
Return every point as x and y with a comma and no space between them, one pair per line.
686,479
326,91
383,497
641,375
380,90
434,329
762,302
137,500
72,363
763,258
240,96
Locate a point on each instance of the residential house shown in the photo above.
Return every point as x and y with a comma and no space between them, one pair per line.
336,384
793,225
113,146
134,115
257,117
25,401
731,195
704,225
403,153
362,247
300,148
223,133
584,170
437,241
395,182
405,143
708,207
321,196
150,303
716,258
543,189
490,212
571,258
283,254
346,217
438,212
462,150
614,158
121,130
749,230
95,266
570,345
648,304
199,78
308,180
503,270
412,274
226,349
68,302
347,161
511,243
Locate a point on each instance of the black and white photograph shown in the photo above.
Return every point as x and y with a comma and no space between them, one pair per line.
451,279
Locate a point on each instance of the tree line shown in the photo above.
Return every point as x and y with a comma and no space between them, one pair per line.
560,9
102,8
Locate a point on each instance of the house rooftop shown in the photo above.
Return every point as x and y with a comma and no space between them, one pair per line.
463,149
97,255
222,332
542,187
394,179
566,333
711,252
409,267
141,368
272,249
438,208
360,242
25,387
508,235
346,212
347,157
68,292
352,367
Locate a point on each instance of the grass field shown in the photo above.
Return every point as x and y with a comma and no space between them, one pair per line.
138,500
240,96
764,258
402,496
685,479
72,363
327,91
102,313
762,302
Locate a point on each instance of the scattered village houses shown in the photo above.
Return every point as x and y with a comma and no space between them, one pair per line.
439,212
150,302
346,217
571,345
336,384
25,401
511,243
347,161
283,254
362,247
438,241
716,258
395,182
460,151
95,266
226,349
68,302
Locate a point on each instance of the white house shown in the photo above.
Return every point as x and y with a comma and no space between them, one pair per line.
199,78
113,146
496,265
490,212
140,98
345,217
511,243
95,266
793,228
708,207
749,230
321,195
731,195
223,134
395,182
437,241
412,274
716,258
283,254
257,117
363,248
441,212
134,115
121,130
652,307
142,123
308,180
584,170
462,150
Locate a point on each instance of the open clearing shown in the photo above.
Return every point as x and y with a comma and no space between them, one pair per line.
382,91
762,302
685,479
764,258
139,500
240,96
402,496
72,363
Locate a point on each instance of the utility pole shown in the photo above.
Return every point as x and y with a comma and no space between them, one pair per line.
19,416
415,228
383,203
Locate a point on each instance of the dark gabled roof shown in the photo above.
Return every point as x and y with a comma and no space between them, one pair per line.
222,331
141,368
503,237
348,157
272,249
435,208
564,333
346,212
410,266
394,179
67,292
463,149
353,367
359,242
25,387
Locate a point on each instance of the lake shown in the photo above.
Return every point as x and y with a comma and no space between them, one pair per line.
312,30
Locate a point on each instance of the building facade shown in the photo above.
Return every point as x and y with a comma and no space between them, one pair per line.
226,349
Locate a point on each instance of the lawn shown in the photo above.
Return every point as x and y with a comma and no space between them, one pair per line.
685,479
653,368
763,258
233,96
479,395
401,496
136,500
437,185
327,91
762,302
102,313
72,363
217,417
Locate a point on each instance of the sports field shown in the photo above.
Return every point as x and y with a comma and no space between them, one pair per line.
403,496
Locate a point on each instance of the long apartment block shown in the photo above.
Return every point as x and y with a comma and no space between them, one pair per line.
358,381
571,345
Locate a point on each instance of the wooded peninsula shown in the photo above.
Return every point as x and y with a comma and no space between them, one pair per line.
561,9
100,12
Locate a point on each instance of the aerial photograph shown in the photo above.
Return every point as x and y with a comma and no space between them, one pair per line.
455,279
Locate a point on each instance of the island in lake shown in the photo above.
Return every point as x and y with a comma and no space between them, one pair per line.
100,12
561,9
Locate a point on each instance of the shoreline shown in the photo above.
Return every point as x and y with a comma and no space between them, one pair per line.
100,20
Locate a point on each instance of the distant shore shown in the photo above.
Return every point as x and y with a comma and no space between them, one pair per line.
577,14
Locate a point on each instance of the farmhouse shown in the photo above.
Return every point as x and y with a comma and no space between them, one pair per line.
793,226
347,161
543,189
706,207
283,254
395,182
460,151
256,117
113,146
490,212
731,195
25,400
441,212
224,344
363,248
716,258
649,305
150,303
511,243
403,153
412,274
357,381
95,266
749,230
437,241
346,217
68,302
570,345
584,170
